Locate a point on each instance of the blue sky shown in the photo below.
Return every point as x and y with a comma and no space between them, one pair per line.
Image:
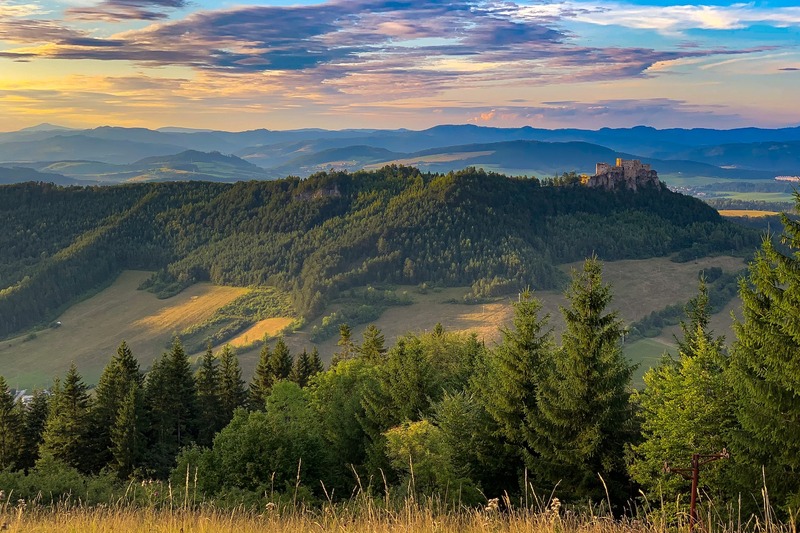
400,63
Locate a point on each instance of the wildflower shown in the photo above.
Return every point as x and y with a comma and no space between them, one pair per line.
492,505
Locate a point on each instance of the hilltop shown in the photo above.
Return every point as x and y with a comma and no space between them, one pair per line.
318,237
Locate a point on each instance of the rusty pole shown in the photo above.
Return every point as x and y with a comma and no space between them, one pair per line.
693,473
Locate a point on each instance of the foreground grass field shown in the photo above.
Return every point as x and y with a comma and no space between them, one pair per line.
91,330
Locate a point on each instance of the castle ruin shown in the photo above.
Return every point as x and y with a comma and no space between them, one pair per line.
629,174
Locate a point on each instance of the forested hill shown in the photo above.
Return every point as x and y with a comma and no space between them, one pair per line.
331,231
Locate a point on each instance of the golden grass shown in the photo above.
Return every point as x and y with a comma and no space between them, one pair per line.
91,330
269,326
750,213
331,518
198,308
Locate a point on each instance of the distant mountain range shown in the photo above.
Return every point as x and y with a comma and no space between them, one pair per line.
115,155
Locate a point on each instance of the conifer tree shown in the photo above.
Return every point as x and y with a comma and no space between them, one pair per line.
316,363
11,426
231,389
514,369
765,370
35,417
209,405
347,348
280,362
128,441
261,384
67,427
585,415
301,370
171,401
373,345
687,408
121,373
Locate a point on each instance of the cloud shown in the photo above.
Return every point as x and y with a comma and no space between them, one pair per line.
121,10
789,69
672,19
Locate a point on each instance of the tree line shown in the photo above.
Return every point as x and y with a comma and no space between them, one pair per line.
442,414
317,237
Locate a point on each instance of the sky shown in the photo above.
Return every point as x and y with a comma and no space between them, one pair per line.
338,64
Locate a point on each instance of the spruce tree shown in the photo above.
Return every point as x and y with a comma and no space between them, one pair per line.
585,416
67,427
11,428
765,370
316,362
373,345
686,408
171,401
261,385
301,370
347,348
121,373
128,441
231,389
280,362
35,417
209,405
514,369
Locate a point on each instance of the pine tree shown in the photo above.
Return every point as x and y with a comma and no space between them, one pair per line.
586,418
514,368
66,430
687,408
373,346
121,373
35,417
11,427
765,370
301,370
209,405
261,385
128,441
231,389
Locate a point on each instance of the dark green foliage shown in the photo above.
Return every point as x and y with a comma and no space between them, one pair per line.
171,400
263,450
301,369
514,370
209,404
280,361
231,388
67,428
765,370
128,441
318,237
261,383
585,416
316,362
11,428
35,418
118,377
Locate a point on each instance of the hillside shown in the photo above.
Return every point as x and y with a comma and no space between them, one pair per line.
318,237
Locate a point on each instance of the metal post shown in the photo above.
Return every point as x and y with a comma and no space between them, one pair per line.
693,473
695,480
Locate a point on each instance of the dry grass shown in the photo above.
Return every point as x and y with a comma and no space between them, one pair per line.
91,330
269,326
750,213
330,518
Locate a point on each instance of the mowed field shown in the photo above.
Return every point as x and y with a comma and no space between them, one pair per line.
750,213
93,329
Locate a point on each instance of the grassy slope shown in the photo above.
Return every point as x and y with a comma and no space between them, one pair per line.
92,329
